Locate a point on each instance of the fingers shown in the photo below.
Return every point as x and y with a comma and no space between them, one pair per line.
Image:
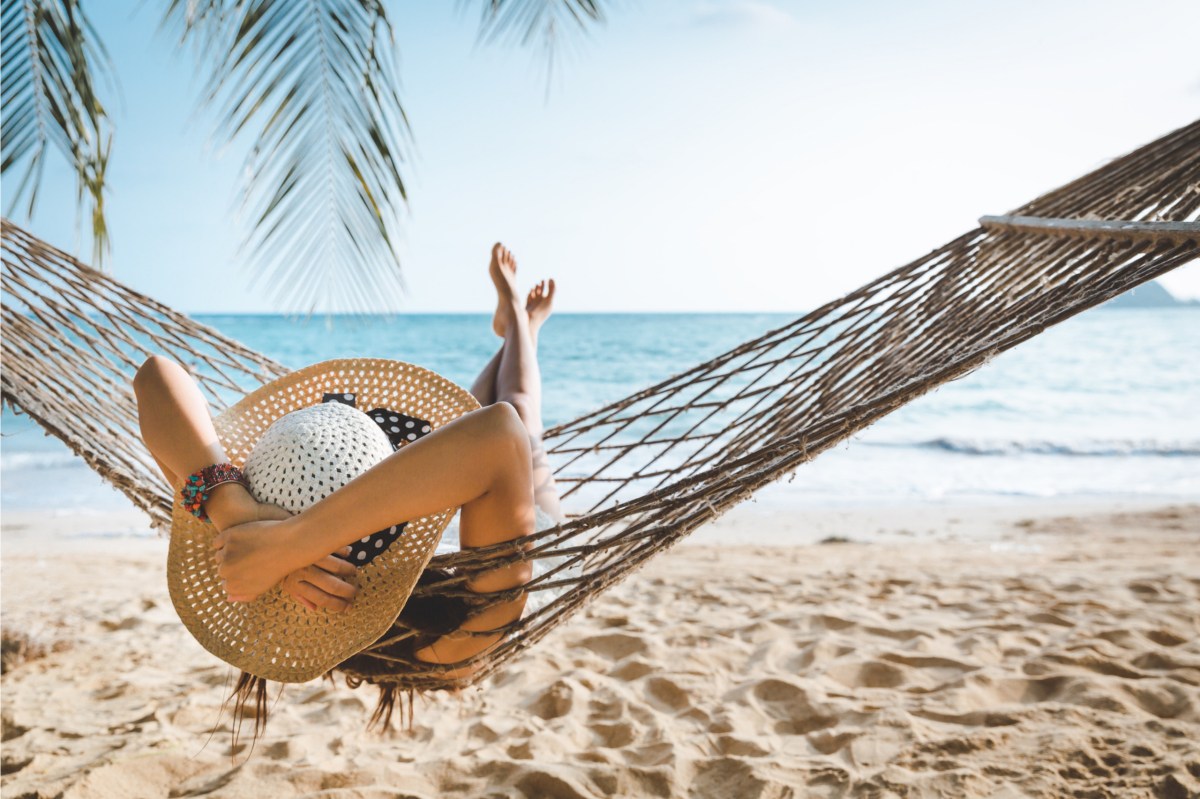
321,585
313,597
328,583
336,566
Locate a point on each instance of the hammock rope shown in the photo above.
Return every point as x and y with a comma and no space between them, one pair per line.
645,471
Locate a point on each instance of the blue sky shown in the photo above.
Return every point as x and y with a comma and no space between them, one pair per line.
729,155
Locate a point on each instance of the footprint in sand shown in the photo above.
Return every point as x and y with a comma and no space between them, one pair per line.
932,662
615,646
1165,637
1051,618
731,746
605,710
1097,664
824,621
668,695
11,764
790,706
727,777
1162,698
480,732
828,743
127,623
654,763
1155,591
554,702
1157,661
633,669
898,634
614,735
823,650
11,729
986,692
868,674
1122,638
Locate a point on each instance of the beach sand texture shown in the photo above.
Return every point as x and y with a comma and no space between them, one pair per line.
1059,658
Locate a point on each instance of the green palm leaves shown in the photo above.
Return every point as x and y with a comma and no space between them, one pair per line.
314,81
311,83
527,20
50,58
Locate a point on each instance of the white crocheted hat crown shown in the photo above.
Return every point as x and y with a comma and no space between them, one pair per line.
308,454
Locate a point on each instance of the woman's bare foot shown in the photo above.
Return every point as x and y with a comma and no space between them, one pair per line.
539,304
503,271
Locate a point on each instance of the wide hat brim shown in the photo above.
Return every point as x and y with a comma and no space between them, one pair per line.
274,636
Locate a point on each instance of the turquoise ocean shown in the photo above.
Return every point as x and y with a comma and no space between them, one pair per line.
1104,406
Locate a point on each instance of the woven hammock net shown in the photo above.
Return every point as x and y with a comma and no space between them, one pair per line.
640,474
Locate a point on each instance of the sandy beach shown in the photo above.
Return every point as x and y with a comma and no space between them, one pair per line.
948,652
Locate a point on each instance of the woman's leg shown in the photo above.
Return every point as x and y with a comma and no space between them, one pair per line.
484,387
538,306
518,375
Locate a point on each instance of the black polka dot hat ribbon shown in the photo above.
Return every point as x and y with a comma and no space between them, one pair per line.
400,430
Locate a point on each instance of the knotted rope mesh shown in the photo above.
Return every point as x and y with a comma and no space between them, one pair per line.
641,473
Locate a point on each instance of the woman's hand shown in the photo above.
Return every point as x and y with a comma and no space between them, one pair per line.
323,584
253,556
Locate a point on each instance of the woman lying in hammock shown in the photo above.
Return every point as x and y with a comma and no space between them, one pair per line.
489,462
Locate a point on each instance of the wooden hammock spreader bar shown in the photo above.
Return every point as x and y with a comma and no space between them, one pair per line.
1125,230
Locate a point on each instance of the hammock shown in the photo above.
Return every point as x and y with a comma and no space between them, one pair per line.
647,470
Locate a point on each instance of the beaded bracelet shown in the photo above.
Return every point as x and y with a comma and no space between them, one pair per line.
199,485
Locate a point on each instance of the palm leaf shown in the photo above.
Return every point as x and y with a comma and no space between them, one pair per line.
51,58
537,22
313,84
526,21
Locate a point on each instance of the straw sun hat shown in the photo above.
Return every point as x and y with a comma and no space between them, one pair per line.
298,439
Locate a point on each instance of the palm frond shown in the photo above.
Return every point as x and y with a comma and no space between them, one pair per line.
526,21
542,23
314,84
51,59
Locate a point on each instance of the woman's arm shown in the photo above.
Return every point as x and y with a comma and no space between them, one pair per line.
480,461
179,433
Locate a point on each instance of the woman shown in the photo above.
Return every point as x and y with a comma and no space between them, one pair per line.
490,463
